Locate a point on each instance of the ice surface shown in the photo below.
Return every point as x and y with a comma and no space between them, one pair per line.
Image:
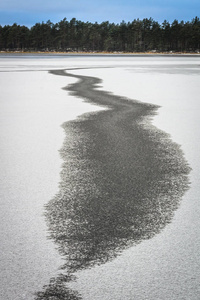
32,108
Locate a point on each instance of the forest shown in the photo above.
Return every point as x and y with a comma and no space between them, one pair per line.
137,36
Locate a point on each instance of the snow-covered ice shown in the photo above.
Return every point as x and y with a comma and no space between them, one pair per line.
33,107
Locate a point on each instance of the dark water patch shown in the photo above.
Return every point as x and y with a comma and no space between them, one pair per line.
121,181
57,290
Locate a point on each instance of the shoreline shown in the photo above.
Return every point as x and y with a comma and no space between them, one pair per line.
96,53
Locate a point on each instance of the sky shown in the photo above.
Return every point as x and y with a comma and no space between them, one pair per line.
29,12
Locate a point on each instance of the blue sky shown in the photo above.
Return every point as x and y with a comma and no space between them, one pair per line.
29,12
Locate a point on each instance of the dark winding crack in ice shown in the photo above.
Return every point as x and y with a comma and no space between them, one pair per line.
121,181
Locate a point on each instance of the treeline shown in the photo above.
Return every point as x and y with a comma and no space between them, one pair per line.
136,36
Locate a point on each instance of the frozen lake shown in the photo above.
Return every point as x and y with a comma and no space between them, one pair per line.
33,106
